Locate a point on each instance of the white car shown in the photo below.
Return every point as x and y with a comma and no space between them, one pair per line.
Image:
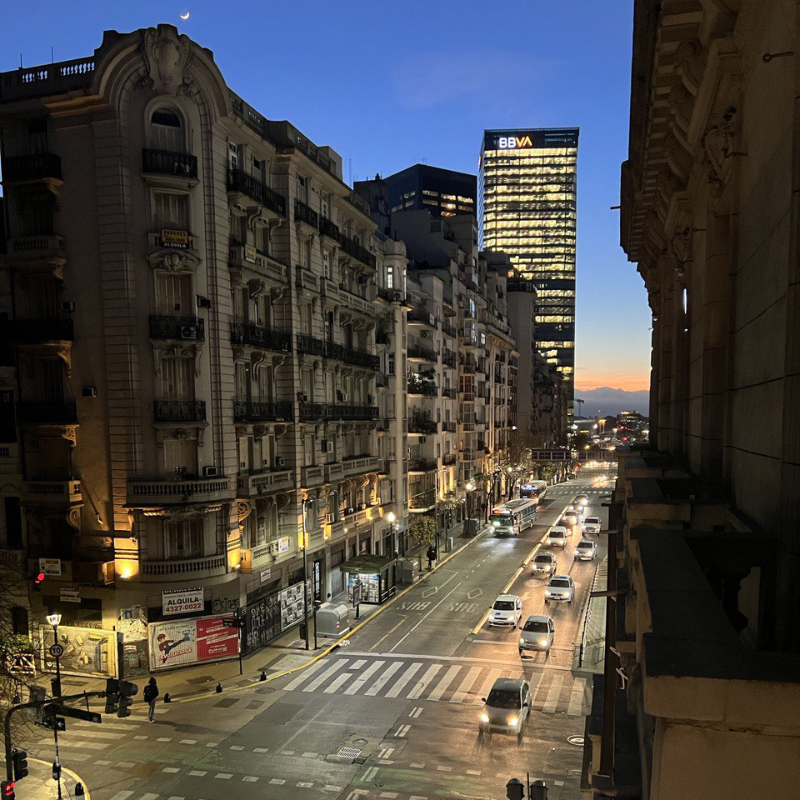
560,589
571,520
556,536
592,525
544,564
507,610
586,550
537,634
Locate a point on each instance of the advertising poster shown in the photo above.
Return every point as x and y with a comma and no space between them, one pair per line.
173,643
292,605
87,651
215,640
182,601
262,622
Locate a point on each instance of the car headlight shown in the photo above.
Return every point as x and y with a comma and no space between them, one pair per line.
496,524
484,717
513,720
542,642
521,641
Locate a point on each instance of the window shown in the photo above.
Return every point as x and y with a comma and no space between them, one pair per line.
165,131
302,189
170,211
389,276
37,136
174,294
233,155
326,264
37,219
180,457
184,538
177,379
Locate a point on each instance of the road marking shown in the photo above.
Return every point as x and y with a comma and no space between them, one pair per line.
576,698
310,755
425,615
474,593
176,797
553,694
164,739
149,796
237,747
137,739
277,781
365,676
304,785
415,712
423,684
88,745
171,770
417,766
188,741
384,679
304,676
387,634
404,679
370,774
444,769
223,776
466,685
339,682
261,749
250,778
195,773
123,795
473,772
486,687
389,795
326,674
212,744
401,732
444,683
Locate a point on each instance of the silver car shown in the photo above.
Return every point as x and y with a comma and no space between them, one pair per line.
507,707
507,610
556,536
586,550
592,525
560,589
537,634
544,564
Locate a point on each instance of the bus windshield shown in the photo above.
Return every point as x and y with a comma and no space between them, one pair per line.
500,517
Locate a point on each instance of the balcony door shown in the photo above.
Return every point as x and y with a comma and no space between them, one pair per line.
180,457
184,538
166,132
49,380
174,294
177,379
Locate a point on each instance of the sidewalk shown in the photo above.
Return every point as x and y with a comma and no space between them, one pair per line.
39,783
283,654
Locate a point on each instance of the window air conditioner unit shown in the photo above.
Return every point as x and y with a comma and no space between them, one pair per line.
279,461
397,297
189,332
210,472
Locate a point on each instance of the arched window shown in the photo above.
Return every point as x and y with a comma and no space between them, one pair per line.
166,131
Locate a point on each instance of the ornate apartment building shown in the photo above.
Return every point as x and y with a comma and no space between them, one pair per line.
203,318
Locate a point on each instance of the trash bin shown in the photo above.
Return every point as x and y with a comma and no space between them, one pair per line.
407,571
332,620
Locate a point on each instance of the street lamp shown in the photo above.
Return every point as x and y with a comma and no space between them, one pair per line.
470,487
55,621
391,518
305,571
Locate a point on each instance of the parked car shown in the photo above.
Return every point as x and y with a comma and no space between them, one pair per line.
507,610
556,536
586,550
559,589
537,634
592,525
544,564
507,707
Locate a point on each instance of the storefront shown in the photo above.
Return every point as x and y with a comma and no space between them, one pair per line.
370,578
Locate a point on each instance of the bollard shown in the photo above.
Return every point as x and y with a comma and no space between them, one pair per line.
218,690
262,676
79,792
167,698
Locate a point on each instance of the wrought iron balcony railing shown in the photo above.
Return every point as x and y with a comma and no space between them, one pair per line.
353,248
305,214
328,228
179,410
259,336
186,328
169,162
418,424
262,411
34,166
239,181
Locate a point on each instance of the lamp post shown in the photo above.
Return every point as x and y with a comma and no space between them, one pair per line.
470,487
391,518
305,571
55,621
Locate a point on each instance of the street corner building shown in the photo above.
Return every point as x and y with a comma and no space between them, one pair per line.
701,697
198,316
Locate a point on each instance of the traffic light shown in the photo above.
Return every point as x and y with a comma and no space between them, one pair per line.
19,760
7,790
37,587
112,696
127,691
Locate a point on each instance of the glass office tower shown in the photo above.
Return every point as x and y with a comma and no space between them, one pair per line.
527,197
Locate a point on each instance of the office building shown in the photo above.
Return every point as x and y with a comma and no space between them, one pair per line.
527,209
442,192
200,312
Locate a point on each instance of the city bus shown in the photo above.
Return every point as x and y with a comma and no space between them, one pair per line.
512,518
535,490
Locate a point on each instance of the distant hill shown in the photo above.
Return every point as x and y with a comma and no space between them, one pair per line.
611,401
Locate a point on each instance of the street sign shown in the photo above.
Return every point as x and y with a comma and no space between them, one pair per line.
56,650
77,713
53,723
21,664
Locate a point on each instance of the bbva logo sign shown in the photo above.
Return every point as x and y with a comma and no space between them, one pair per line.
513,142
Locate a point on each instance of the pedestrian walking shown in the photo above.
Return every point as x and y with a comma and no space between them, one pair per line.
150,696
431,556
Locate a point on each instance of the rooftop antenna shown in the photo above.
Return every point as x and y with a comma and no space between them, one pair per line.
52,55
350,170
20,60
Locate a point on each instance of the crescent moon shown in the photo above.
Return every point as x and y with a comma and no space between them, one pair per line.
185,16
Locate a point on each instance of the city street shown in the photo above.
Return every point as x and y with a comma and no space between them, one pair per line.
392,715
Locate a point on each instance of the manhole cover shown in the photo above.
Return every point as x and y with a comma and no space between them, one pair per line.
575,740
265,690
349,752
360,742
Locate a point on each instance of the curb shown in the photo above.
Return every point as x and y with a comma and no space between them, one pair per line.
328,650
73,775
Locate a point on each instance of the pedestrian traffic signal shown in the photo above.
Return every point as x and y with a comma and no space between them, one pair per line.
19,760
112,696
127,692
37,584
7,790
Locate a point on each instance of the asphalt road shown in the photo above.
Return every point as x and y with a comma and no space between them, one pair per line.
393,716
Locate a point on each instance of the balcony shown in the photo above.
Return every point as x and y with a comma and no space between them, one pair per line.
422,465
422,501
169,162
449,391
466,455
258,483
468,367
259,336
359,298
418,352
467,397
358,358
327,228
449,427
342,411
37,331
449,460
381,380
186,569
262,411
179,410
31,168
448,328
354,249
187,329
391,295
420,316
419,386
302,213
423,425
241,255
47,412
56,492
241,182
359,464
449,358
46,247
178,490
310,345
333,472
93,573
312,475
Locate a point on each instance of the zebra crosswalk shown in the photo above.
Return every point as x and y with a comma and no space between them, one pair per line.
410,679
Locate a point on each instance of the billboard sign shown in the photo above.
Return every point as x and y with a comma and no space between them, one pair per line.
191,641
182,601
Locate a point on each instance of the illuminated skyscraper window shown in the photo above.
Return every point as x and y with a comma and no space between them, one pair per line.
527,208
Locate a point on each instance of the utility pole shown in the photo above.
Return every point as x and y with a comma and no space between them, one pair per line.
305,571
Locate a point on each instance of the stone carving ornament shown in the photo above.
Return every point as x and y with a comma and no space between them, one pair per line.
166,55
719,146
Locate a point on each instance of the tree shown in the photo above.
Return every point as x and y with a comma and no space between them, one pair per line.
422,530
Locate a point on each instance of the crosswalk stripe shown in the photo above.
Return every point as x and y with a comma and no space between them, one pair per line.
305,674
466,685
317,682
404,679
576,698
96,734
553,694
86,745
340,681
384,679
364,677
423,684
149,796
444,683
123,795
486,687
